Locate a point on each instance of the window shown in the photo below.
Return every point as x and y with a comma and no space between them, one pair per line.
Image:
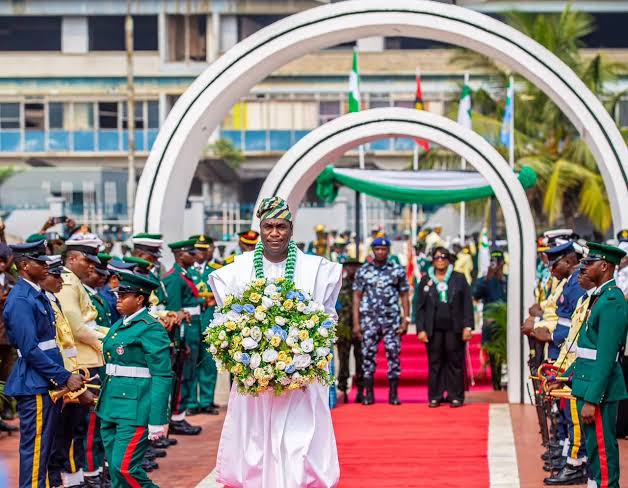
55,115
413,43
328,110
187,37
9,115
379,102
107,33
249,24
30,33
405,103
34,116
139,115
108,115
153,114
84,116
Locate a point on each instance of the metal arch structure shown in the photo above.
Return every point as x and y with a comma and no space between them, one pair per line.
299,167
168,173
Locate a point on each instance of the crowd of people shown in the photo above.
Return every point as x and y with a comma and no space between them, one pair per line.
117,341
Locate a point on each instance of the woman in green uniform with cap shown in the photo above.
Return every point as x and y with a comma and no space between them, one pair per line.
133,404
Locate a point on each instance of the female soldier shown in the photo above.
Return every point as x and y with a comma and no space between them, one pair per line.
133,404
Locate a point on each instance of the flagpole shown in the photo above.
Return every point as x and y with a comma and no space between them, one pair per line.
463,206
363,201
415,167
511,135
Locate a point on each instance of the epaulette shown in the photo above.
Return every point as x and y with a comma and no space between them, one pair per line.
215,265
229,259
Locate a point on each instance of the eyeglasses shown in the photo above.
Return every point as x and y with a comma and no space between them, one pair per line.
440,256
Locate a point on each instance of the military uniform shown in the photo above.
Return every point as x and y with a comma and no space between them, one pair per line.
597,374
380,313
206,373
30,324
134,400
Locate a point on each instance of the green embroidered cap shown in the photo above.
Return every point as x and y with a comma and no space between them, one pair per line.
599,251
181,246
274,208
141,265
133,283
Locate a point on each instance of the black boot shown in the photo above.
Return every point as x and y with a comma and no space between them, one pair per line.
369,398
182,427
393,397
359,398
569,475
96,482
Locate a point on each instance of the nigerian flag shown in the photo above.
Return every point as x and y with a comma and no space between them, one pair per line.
464,109
354,85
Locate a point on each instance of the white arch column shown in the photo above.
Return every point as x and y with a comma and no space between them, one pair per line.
300,166
168,173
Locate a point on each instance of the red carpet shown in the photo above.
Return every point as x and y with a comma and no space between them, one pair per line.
413,380
412,446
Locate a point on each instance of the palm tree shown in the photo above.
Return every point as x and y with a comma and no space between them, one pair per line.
569,183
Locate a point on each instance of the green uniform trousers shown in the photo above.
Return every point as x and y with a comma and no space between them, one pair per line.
206,376
601,444
125,446
190,368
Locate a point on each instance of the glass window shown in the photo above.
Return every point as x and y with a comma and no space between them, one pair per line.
34,116
106,33
153,114
108,115
9,115
83,116
191,29
30,33
55,115
328,110
139,115
145,33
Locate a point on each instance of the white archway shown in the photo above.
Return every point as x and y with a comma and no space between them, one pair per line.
299,167
166,179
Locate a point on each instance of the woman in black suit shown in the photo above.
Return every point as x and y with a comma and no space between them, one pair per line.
444,319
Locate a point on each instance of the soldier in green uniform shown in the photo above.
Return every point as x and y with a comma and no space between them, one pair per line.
597,381
134,401
206,372
92,283
183,296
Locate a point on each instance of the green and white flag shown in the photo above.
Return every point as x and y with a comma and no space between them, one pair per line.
354,85
464,109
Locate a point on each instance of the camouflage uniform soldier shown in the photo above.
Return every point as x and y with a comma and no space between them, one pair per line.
378,288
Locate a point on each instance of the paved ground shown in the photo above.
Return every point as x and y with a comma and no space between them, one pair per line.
194,458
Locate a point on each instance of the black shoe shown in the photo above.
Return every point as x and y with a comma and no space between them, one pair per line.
157,453
96,482
434,404
4,427
164,443
569,475
456,403
554,452
369,398
393,397
147,465
210,410
182,427
359,398
555,464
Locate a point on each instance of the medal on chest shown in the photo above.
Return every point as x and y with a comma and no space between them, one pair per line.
120,350
442,287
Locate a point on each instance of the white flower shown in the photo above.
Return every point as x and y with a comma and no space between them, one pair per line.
267,302
260,316
296,376
270,290
268,333
231,315
213,349
285,381
224,344
309,324
279,320
256,333
293,332
323,331
321,352
291,341
296,350
256,359
249,381
222,335
238,356
300,307
270,355
307,345
246,331
280,366
249,343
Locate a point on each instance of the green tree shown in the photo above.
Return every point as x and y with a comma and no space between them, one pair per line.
569,182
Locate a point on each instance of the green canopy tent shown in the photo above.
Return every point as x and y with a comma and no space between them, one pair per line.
429,187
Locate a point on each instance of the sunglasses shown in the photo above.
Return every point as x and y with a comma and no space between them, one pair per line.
440,256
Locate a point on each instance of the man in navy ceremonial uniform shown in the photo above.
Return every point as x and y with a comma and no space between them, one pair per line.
30,324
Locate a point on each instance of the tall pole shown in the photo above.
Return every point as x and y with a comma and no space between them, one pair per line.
463,206
358,204
130,110
415,167
363,198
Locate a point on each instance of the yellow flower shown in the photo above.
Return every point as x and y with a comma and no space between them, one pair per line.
236,340
322,364
281,279
255,297
228,300
315,319
259,282
230,325
258,373
237,369
275,341
263,383
288,304
303,334
260,308
276,296
294,386
282,356
329,357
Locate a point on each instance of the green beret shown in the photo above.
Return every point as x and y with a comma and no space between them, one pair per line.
274,208
134,283
146,235
142,266
104,257
604,252
179,246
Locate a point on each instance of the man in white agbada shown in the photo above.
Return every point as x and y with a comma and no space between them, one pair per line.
286,441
